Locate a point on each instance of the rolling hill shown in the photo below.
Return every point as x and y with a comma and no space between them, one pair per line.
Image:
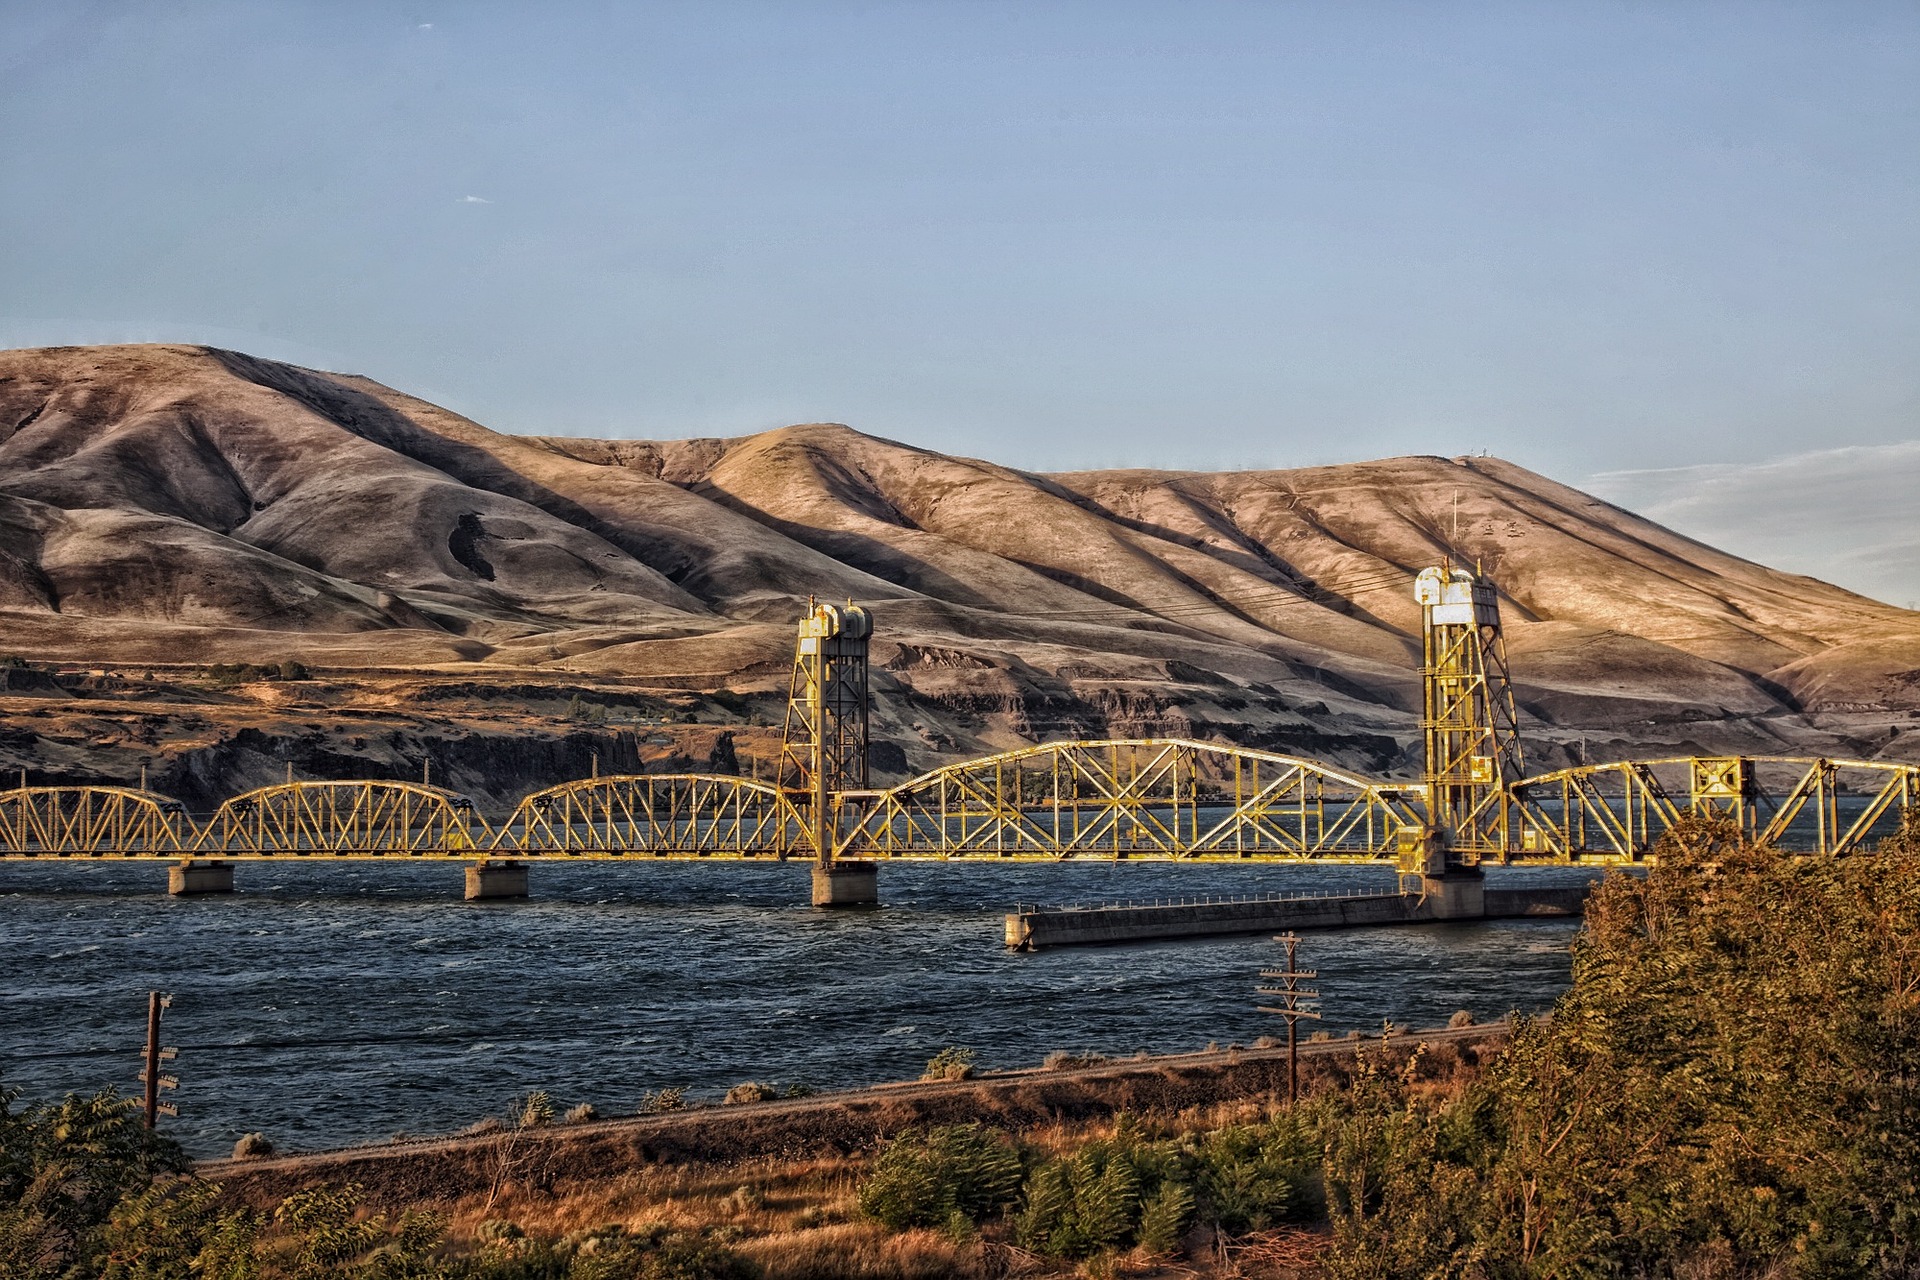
166,506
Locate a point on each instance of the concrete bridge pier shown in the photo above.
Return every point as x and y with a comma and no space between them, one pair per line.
846,884
490,880
192,876
1458,893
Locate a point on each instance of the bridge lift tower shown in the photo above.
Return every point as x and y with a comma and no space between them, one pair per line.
823,749
1469,730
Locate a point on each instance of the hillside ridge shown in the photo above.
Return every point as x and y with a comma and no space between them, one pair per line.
189,504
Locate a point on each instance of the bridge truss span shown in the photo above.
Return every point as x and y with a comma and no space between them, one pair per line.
1136,798
359,819
689,815
1615,812
91,822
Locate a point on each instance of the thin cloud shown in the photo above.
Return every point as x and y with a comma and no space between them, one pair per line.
1850,516
475,200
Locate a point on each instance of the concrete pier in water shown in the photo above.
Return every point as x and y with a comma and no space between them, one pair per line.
487,881
193,876
846,884
1458,898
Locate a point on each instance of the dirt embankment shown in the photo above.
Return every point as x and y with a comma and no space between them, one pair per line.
551,1159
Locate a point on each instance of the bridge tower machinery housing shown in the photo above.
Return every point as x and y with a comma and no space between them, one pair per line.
823,749
1469,727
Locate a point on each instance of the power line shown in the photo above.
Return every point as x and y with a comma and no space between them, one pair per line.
344,1042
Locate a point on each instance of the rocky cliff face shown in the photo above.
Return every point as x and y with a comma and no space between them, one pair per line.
164,507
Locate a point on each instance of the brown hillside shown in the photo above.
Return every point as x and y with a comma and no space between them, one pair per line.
181,505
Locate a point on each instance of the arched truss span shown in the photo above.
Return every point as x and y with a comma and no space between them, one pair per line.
1617,811
1133,798
683,815
344,819
90,822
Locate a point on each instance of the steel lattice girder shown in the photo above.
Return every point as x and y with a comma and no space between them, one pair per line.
344,819
1135,798
659,814
1148,798
90,822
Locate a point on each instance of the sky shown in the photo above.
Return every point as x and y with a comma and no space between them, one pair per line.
1667,251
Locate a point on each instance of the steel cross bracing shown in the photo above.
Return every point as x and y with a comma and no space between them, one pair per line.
1134,798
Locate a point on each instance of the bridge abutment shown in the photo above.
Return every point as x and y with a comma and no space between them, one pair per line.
487,881
846,884
193,876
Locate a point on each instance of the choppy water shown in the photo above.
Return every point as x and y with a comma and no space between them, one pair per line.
333,1003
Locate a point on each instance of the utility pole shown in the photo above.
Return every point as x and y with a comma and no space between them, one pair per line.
150,1076
1293,999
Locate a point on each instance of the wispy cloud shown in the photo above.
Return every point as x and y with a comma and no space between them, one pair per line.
475,200
1849,516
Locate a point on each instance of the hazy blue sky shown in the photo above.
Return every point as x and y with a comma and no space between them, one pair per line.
1588,237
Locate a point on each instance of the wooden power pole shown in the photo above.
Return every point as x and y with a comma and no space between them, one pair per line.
1293,999
150,1076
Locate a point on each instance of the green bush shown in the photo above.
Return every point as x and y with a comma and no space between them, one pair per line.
1252,1177
1082,1204
948,1177
64,1168
1164,1216
952,1063
1727,1089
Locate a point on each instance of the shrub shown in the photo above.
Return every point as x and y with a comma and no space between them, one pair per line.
952,1063
176,1228
252,1146
1253,1177
1725,1090
749,1091
581,1114
1061,1060
947,1177
537,1110
1461,1018
334,1237
63,1169
1080,1205
1164,1217
673,1098
653,1256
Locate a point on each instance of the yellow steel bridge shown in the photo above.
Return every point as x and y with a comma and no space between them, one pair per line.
1121,800
1118,800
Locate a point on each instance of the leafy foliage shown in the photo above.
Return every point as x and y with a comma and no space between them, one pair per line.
1731,1087
948,1177
63,1169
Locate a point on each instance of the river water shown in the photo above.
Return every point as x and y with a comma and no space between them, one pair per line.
333,1003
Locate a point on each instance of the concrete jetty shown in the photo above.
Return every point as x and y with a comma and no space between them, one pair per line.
1031,927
